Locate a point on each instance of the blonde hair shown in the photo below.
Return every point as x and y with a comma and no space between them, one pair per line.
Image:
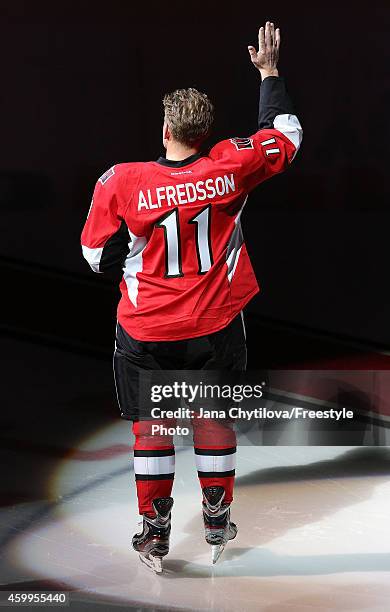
189,115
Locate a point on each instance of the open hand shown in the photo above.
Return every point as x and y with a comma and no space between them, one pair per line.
266,58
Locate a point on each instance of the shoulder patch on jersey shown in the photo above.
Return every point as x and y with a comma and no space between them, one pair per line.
242,143
107,175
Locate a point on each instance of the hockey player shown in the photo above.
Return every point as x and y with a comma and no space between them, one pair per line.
173,225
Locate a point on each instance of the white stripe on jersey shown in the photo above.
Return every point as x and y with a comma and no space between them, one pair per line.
93,257
134,264
237,241
290,127
234,256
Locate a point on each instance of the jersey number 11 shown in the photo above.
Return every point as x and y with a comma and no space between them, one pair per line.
171,226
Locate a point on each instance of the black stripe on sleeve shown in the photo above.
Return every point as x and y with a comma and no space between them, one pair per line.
115,250
215,452
274,101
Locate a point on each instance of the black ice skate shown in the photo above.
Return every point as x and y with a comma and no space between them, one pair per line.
153,543
218,527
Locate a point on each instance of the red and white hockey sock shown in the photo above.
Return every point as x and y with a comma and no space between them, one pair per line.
154,466
215,455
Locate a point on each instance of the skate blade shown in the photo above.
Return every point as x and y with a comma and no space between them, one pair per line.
153,563
216,552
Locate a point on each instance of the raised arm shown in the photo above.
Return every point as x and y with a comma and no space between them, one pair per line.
276,110
272,148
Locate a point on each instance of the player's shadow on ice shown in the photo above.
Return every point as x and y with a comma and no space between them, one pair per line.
365,461
265,512
260,562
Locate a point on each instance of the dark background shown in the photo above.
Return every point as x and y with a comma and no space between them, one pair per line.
81,89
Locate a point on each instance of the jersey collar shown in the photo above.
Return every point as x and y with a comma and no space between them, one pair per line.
178,164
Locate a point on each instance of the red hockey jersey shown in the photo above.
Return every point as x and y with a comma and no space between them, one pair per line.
186,270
